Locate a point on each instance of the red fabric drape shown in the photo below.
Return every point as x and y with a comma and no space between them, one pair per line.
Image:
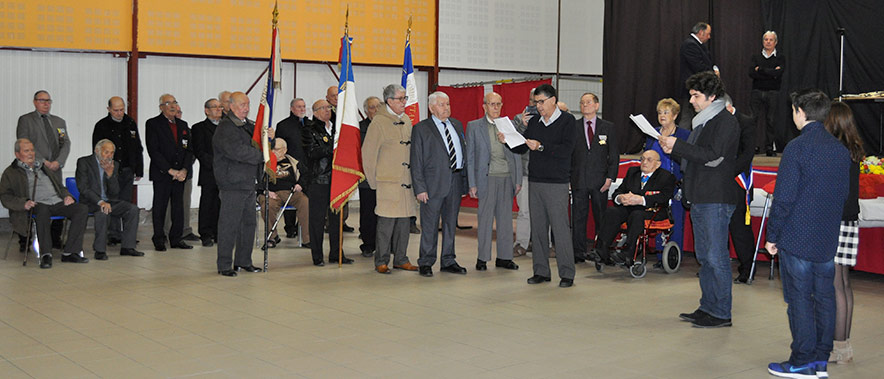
515,96
466,102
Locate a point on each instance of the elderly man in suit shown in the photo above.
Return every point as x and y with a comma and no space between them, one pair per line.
386,160
52,143
237,166
210,203
27,188
438,171
695,57
100,191
171,156
494,177
642,188
594,166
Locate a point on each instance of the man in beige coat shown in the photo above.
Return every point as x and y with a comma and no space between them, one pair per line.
385,159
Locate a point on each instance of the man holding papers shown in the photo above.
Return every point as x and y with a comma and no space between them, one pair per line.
494,178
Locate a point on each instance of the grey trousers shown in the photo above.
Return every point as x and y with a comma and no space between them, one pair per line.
236,228
392,238
120,211
549,208
496,204
447,209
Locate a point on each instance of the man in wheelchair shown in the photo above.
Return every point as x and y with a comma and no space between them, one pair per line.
644,188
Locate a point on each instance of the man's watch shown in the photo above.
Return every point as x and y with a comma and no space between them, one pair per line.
540,148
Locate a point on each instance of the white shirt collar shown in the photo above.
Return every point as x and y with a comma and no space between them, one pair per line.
696,38
766,55
553,118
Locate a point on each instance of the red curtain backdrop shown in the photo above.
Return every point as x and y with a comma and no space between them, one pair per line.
466,102
515,96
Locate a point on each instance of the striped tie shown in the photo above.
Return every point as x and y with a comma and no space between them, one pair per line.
452,156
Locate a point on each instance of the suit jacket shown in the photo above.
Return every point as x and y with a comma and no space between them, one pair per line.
290,130
479,154
695,57
237,164
706,182
90,187
165,151
203,132
430,171
657,192
14,194
30,126
124,134
590,167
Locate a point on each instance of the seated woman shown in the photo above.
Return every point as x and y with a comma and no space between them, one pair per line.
667,112
287,176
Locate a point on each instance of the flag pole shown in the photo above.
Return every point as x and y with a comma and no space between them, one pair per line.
341,211
266,217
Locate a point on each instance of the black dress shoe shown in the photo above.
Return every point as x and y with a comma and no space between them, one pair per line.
319,264
131,252
347,228
426,271
247,268
291,234
74,258
181,245
741,280
537,279
46,261
305,245
113,242
208,243
454,268
191,237
22,243
344,260
227,272
565,283
368,252
159,247
100,255
506,263
413,229
481,265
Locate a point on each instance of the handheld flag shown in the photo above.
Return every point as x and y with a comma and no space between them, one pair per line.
746,184
260,137
412,108
347,160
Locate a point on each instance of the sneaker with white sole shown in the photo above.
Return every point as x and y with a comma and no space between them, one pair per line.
822,369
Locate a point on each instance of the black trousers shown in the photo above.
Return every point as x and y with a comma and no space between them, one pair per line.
368,220
742,238
582,198
210,205
319,195
164,192
764,108
614,217
76,212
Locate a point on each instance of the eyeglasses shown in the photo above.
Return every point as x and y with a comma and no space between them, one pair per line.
587,102
168,103
664,112
401,98
647,159
214,106
494,105
47,101
325,108
540,101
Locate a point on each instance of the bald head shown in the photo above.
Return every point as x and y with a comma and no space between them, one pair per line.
492,105
224,98
239,105
117,108
331,95
650,161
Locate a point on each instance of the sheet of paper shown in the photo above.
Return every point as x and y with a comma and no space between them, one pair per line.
644,125
505,126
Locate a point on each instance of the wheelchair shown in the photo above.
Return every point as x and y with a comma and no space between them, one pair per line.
671,259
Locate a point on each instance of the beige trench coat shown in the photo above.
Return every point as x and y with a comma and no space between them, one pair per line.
386,162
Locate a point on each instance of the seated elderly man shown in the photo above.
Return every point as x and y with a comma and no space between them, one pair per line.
97,180
287,175
643,187
27,188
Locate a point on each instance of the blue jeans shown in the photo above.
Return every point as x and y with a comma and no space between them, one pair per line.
810,294
710,221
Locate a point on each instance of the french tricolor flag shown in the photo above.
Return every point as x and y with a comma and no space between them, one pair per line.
412,109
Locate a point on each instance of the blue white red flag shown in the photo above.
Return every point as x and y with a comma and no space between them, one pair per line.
412,108
260,137
746,184
347,161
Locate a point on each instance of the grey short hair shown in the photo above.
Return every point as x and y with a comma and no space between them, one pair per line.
39,92
390,91
434,97
206,104
771,32
699,27
101,143
727,99
367,100
164,95
18,143
292,103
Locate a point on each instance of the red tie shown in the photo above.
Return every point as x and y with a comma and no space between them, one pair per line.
589,133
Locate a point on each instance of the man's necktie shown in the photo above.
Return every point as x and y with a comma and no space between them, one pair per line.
51,134
589,134
644,180
452,156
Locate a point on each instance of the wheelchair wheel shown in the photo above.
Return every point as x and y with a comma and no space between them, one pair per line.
671,257
638,270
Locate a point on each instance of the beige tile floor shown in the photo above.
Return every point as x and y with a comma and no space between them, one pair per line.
170,315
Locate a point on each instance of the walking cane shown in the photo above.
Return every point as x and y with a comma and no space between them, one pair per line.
31,225
769,188
279,216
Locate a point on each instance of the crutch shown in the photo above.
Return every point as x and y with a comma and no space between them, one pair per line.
279,215
769,188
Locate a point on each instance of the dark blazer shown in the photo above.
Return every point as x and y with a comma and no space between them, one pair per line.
745,152
165,151
430,171
237,163
590,167
290,130
30,126
124,134
14,194
89,186
319,150
203,133
657,192
695,57
706,182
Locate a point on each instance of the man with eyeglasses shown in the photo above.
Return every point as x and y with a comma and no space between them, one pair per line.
594,167
550,140
122,130
291,129
495,177
52,144
171,158
210,203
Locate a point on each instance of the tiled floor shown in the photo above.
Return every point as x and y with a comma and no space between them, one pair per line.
170,315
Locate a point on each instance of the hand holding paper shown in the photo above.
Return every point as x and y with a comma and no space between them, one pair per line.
644,125
505,126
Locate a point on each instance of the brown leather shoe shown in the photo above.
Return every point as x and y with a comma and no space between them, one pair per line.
382,269
407,267
519,251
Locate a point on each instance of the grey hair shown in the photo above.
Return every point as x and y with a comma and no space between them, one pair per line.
39,92
390,91
727,99
699,27
18,143
771,32
292,103
206,104
433,98
367,100
164,95
101,143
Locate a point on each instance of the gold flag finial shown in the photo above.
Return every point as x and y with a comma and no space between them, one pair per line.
408,34
275,13
347,20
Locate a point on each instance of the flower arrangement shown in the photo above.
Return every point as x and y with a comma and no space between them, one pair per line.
872,165
871,178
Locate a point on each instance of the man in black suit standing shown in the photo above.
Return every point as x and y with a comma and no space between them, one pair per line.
100,191
368,220
122,130
643,187
741,233
594,166
695,57
171,158
438,173
203,132
238,168
290,129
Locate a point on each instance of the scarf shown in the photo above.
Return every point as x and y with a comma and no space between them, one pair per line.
698,122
